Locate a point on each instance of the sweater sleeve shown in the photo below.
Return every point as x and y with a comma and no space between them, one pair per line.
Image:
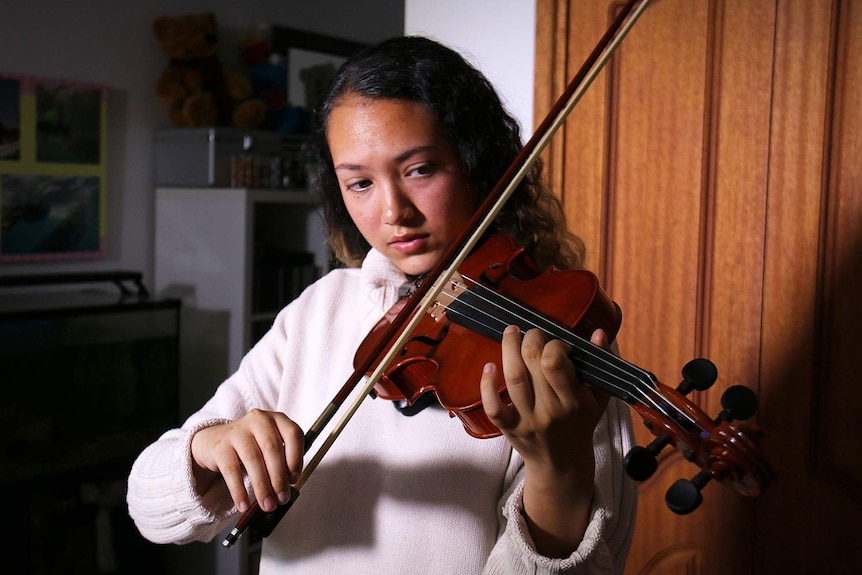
607,538
162,495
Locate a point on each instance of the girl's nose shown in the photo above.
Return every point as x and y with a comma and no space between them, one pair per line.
397,207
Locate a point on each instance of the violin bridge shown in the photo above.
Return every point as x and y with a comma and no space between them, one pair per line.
454,287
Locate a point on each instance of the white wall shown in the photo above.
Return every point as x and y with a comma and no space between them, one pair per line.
496,36
111,42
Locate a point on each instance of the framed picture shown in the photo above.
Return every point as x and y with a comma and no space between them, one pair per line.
10,119
311,61
52,169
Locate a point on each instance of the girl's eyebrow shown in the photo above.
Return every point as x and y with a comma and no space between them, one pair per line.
413,151
405,155
349,167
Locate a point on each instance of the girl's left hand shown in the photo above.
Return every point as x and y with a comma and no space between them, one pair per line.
552,415
550,422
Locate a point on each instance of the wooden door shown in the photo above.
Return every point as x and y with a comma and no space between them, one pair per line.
714,173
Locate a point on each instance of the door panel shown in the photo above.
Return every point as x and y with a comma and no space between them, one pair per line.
713,172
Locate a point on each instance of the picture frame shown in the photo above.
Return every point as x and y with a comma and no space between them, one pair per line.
52,169
311,60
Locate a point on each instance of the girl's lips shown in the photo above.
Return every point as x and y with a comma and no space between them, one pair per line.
409,245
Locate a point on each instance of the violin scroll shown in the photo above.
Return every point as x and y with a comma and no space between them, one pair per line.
726,453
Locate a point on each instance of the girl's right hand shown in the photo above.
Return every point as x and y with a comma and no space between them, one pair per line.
266,445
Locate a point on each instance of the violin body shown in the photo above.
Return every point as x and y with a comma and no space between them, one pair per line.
445,355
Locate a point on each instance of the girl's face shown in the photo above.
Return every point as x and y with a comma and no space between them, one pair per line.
401,179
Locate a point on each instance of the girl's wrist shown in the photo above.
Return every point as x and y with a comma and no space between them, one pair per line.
557,504
204,478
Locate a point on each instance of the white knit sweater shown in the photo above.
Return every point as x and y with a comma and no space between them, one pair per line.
396,494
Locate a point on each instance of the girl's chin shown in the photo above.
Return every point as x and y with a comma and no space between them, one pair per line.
416,266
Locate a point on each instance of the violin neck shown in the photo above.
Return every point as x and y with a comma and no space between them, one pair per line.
603,370
489,313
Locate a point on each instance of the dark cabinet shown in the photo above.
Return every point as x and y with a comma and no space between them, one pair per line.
89,377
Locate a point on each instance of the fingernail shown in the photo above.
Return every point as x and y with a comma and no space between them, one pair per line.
489,368
283,497
268,504
243,506
511,329
293,477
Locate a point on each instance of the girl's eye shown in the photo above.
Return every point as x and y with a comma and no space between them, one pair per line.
422,170
359,185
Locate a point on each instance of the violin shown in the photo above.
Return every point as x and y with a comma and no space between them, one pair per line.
483,284
497,286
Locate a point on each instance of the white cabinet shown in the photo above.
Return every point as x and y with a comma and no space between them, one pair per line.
213,248
234,256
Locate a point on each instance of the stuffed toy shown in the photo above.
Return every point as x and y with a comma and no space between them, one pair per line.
267,74
196,87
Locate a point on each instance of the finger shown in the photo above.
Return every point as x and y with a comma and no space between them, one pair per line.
213,450
551,372
260,447
515,371
282,455
254,462
231,470
274,487
294,449
503,416
600,338
559,380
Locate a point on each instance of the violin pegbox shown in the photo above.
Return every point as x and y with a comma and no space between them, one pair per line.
729,454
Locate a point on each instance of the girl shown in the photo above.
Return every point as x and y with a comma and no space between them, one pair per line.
409,138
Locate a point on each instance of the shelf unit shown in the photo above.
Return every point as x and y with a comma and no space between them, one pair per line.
212,250
206,243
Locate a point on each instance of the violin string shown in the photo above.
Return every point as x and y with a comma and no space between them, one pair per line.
602,366
497,324
643,384
500,323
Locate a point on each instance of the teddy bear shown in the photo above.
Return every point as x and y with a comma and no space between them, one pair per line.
196,87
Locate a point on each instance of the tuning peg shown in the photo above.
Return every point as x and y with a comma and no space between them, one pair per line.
698,374
738,403
640,462
684,496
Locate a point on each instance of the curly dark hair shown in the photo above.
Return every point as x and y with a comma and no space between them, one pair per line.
486,137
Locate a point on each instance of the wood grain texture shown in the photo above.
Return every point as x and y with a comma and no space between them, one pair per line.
713,172
812,335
